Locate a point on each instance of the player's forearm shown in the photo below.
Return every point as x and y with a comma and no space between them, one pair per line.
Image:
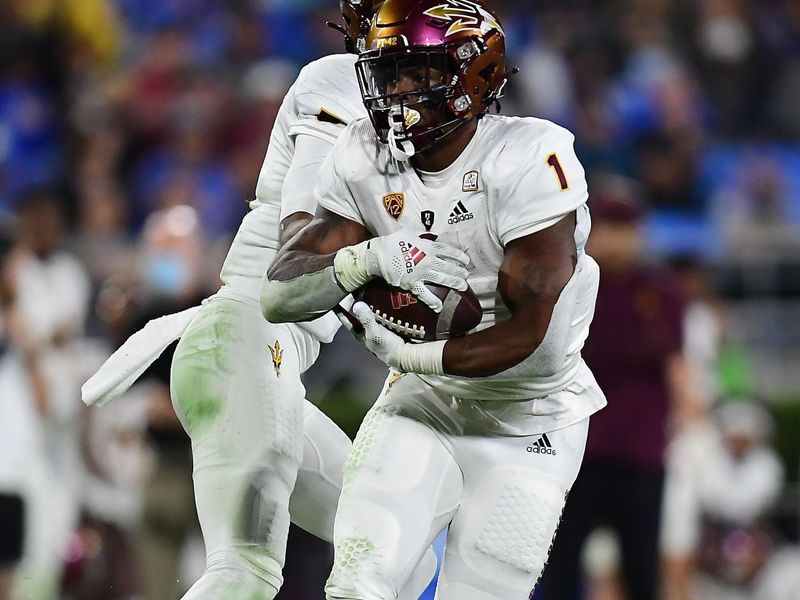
300,286
493,350
532,280
303,282
482,354
292,225
530,344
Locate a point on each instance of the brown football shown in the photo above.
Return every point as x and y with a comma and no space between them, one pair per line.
410,318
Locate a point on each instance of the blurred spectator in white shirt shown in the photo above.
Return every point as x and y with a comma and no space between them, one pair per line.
49,292
738,478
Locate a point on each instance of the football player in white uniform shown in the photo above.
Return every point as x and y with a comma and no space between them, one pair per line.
260,451
485,432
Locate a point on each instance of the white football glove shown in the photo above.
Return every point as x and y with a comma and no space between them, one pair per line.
425,359
404,260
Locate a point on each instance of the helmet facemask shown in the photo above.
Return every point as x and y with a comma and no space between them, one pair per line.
416,96
406,96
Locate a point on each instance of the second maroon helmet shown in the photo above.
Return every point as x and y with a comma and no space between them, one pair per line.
357,16
455,51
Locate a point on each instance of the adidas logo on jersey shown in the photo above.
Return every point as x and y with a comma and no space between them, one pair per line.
542,446
459,214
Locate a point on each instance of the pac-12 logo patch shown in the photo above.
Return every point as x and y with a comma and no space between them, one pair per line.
470,183
394,204
427,217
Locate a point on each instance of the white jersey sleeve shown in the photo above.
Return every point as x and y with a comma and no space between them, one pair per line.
326,98
304,132
538,180
333,192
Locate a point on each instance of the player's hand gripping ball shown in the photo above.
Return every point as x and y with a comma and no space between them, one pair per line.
402,313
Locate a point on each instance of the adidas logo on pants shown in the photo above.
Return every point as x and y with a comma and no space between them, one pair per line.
542,446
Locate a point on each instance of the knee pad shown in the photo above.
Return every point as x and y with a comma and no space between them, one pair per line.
362,563
508,529
245,519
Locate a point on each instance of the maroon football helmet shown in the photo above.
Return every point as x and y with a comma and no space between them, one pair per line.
429,67
357,16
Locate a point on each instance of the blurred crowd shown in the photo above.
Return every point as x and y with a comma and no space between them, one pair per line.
131,137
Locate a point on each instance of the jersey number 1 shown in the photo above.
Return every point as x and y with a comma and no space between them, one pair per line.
552,160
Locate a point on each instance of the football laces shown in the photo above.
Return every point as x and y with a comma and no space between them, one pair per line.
400,327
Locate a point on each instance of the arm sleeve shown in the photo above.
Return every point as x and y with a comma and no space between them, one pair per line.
298,187
544,184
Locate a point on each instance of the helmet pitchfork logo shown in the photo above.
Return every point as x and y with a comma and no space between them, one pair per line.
464,15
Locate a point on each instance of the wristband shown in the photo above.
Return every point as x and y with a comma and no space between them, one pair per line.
350,267
423,359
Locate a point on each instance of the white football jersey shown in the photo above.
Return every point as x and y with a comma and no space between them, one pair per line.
517,176
323,100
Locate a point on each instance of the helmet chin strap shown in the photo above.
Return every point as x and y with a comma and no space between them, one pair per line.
401,150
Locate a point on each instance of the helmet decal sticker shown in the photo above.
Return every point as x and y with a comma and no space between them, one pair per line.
464,15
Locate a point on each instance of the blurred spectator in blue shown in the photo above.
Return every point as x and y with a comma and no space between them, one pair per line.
30,130
205,22
754,198
186,167
545,81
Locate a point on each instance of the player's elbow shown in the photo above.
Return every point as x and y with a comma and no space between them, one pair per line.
274,305
287,302
540,356
548,361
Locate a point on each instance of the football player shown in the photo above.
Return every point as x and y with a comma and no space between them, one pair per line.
484,432
261,453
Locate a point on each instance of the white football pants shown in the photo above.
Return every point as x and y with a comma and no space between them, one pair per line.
412,472
260,451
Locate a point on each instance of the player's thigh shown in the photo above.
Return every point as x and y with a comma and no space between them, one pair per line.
401,486
243,410
513,497
236,384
